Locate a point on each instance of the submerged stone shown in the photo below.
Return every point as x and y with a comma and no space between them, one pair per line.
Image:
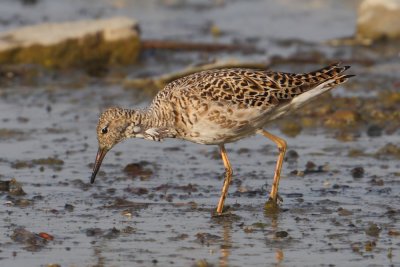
388,150
374,131
291,128
343,118
357,172
15,188
281,234
373,230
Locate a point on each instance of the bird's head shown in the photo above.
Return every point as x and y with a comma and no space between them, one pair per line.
112,128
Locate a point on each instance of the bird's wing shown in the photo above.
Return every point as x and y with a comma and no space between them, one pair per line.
252,88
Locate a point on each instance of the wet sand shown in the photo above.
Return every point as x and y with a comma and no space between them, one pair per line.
152,202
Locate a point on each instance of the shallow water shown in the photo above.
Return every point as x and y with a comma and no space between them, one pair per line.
165,228
328,215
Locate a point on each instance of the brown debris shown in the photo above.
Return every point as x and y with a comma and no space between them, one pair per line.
343,118
12,187
33,242
373,230
389,150
207,239
357,172
46,236
291,128
138,170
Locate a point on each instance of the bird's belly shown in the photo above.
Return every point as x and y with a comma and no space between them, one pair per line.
211,133
220,124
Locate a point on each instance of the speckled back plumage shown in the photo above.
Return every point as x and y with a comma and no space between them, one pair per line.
239,100
249,87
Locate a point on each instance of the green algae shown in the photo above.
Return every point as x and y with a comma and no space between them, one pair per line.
48,161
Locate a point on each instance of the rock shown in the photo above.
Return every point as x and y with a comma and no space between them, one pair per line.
206,238
138,170
94,232
344,212
357,172
343,118
32,241
370,245
378,19
373,230
281,234
374,131
291,155
78,43
15,188
310,166
128,230
202,263
393,232
112,233
69,207
290,128
388,150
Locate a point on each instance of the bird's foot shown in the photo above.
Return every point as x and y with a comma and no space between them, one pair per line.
225,212
272,205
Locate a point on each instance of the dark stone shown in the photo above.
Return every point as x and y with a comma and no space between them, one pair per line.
357,172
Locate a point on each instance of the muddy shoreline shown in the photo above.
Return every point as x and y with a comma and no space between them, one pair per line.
152,202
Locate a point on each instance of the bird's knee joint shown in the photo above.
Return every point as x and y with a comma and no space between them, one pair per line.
228,172
282,149
282,146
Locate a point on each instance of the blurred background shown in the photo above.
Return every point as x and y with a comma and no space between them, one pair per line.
63,62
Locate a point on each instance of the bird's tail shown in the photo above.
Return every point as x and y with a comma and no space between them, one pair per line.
318,82
330,76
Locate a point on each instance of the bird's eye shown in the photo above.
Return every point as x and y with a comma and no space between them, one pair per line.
104,130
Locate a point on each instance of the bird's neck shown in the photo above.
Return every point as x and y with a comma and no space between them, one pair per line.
150,123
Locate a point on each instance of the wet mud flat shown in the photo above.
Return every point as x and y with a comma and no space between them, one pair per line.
152,203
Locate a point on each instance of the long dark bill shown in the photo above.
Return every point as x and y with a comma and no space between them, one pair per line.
101,153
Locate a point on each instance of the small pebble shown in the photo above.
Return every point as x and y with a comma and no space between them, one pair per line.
69,207
374,131
344,212
294,195
369,245
310,166
291,155
93,232
357,172
281,234
373,230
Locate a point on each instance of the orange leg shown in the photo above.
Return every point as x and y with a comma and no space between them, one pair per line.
273,196
227,181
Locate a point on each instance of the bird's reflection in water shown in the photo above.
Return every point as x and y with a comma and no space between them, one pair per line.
225,248
272,217
279,256
227,243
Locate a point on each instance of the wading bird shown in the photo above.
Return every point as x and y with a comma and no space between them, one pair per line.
216,107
